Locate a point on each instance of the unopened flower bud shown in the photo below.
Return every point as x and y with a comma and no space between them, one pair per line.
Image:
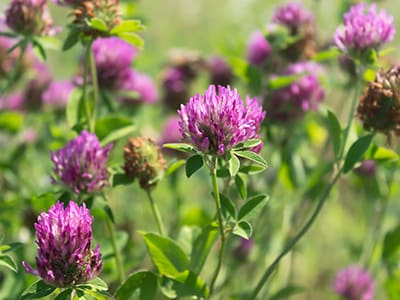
143,161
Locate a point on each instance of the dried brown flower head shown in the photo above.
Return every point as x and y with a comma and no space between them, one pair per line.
379,108
143,160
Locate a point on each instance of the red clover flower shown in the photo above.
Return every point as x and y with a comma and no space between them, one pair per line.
82,164
364,28
218,120
64,236
353,283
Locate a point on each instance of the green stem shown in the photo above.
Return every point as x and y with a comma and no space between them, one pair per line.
95,82
86,67
271,268
221,227
346,132
156,213
120,266
23,46
298,236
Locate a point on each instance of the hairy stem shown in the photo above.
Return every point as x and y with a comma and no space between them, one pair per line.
118,260
156,213
221,227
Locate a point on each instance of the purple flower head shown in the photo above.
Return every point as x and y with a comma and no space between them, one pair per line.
258,49
14,101
353,283
171,132
364,28
82,164
29,17
292,15
218,120
141,84
72,3
175,86
367,169
220,71
38,84
243,249
113,57
57,94
65,256
303,94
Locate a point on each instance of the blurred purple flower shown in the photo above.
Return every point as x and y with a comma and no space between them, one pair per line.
37,85
171,132
218,120
364,27
143,85
220,71
292,15
258,49
64,236
175,84
367,168
82,164
353,283
14,101
243,249
303,94
113,57
29,17
57,94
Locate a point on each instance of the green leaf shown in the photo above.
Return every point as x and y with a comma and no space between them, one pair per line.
384,154
369,75
64,295
243,229
11,121
282,81
96,284
227,207
144,281
247,144
251,170
172,168
252,156
132,38
110,123
187,285
356,152
37,46
72,39
392,287
336,132
325,55
98,24
73,107
241,186
10,247
391,247
166,255
180,147
194,164
233,164
286,292
118,134
121,179
8,262
38,289
201,247
128,26
252,207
